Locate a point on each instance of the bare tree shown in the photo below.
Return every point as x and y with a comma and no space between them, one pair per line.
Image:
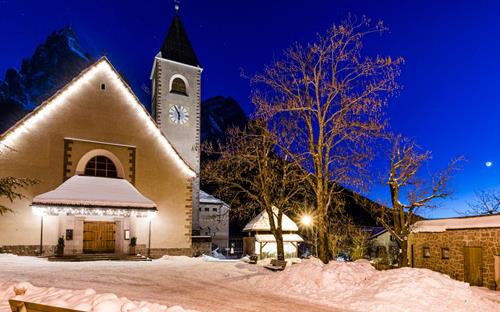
486,202
410,192
334,97
254,173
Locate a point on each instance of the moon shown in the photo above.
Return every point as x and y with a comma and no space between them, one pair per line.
488,164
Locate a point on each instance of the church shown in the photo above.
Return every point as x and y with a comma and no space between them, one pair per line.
108,172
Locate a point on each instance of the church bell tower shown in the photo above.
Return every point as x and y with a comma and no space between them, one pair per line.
176,78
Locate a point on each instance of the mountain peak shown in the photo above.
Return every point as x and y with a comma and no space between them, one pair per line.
54,63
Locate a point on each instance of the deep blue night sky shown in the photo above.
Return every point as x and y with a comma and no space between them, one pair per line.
450,100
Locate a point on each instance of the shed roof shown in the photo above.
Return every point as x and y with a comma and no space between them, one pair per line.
441,225
261,222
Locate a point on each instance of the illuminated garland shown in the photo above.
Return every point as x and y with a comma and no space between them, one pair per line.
81,211
73,89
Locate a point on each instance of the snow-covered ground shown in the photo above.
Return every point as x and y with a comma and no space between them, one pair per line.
175,282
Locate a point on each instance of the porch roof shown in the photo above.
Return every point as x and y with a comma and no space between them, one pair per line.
266,238
88,191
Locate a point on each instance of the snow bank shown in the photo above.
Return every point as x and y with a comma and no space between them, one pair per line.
83,300
358,286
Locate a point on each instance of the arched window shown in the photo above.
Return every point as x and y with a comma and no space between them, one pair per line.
101,166
178,86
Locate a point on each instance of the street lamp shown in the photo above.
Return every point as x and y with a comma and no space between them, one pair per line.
308,221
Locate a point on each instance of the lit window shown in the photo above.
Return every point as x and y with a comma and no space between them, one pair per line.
101,166
178,86
427,252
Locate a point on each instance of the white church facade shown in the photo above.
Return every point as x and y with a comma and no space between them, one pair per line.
107,170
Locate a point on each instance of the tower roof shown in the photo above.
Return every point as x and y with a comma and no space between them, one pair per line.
176,46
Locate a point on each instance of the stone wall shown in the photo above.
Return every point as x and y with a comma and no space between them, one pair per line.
201,245
159,252
28,250
455,240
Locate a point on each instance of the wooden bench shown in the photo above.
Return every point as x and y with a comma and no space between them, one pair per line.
23,306
276,265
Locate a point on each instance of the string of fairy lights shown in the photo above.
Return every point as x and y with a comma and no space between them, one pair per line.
91,211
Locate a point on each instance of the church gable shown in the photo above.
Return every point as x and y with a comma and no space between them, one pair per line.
106,109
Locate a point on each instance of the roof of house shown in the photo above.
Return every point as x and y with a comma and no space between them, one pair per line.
374,231
206,198
441,225
176,46
89,191
261,222
44,110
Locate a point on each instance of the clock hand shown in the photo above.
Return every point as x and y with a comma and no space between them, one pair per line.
178,113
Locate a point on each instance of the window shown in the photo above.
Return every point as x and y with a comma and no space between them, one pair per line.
178,86
445,253
101,166
103,86
427,252
207,209
392,238
214,209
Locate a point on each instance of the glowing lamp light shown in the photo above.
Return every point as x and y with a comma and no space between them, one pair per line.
151,215
37,212
306,220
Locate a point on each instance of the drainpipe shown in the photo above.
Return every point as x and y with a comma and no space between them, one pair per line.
41,235
149,239
497,271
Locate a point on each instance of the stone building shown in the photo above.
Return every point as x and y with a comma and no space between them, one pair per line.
107,169
214,221
466,248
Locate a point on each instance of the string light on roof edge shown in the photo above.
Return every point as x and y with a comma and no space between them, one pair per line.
80,211
45,111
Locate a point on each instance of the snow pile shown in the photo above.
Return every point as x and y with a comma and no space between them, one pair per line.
358,286
82,300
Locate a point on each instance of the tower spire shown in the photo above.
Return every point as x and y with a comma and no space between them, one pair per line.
176,6
176,45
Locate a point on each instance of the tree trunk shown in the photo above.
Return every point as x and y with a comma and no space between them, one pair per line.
280,250
403,259
324,247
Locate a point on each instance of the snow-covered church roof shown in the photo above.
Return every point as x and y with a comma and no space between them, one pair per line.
441,225
87,191
261,222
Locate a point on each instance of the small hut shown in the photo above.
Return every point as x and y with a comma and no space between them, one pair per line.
261,241
465,248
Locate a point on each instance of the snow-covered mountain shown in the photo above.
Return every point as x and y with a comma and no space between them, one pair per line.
59,59
53,64
217,115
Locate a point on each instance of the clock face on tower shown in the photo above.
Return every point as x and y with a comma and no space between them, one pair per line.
178,114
